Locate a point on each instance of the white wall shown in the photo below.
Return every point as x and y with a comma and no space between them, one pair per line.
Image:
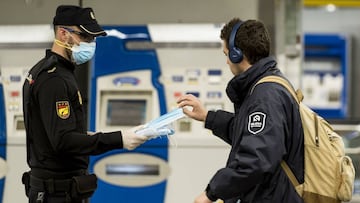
341,21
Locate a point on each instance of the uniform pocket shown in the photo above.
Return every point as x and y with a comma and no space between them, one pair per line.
83,186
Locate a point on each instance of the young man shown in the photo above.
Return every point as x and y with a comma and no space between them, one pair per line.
58,145
264,129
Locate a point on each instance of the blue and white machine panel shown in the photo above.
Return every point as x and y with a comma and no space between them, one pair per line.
127,91
326,76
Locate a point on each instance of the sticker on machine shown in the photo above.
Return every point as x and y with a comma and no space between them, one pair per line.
63,109
256,122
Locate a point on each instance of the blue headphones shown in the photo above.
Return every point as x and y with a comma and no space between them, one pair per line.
235,54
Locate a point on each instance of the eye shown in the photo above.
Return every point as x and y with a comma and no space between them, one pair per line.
83,36
86,38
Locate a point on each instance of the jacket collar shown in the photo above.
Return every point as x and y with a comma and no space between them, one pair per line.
239,85
63,61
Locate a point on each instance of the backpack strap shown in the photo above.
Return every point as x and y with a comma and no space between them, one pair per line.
298,96
289,173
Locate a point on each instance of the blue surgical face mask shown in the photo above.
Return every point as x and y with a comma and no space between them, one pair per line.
162,125
83,52
167,118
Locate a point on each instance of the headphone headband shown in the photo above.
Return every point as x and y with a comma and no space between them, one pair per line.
235,54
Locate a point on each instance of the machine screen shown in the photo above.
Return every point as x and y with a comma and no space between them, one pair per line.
132,169
122,112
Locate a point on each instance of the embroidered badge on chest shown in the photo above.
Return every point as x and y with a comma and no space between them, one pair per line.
63,109
256,122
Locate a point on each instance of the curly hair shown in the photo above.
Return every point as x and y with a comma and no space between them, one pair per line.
252,38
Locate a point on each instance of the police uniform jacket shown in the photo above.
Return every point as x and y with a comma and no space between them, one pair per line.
264,130
55,119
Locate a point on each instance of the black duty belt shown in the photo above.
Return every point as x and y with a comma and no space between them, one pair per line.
51,185
48,174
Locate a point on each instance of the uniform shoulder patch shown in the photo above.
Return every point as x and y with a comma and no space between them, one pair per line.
51,70
80,98
63,109
256,122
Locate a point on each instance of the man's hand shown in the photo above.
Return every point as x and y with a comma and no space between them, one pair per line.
202,198
131,140
198,111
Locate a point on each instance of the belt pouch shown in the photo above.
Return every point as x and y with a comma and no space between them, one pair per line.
83,186
25,179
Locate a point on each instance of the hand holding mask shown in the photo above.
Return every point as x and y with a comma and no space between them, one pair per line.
162,125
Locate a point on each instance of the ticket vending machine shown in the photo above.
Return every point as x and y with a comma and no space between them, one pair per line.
125,92
136,75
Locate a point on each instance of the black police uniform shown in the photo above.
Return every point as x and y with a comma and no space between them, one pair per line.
57,143
264,130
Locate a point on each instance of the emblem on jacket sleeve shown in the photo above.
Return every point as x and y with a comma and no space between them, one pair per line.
63,109
256,122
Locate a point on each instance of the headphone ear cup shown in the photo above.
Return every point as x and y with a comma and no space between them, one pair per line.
235,55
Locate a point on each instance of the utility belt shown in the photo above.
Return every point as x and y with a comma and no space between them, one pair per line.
77,187
47,174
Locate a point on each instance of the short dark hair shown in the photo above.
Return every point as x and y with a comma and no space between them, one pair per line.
252,38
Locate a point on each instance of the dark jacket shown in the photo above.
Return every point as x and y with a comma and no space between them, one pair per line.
264,130
54,119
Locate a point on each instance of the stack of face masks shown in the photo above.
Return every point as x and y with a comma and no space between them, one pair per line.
163,125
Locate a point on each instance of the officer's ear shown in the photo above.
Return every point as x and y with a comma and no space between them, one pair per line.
61,34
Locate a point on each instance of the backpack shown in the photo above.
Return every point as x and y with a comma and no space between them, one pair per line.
328,173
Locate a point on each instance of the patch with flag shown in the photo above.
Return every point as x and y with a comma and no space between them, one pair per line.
63,109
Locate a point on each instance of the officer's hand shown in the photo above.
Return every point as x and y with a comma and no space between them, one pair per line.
198,111
131,140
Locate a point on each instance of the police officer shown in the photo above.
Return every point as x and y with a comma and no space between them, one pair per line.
58,145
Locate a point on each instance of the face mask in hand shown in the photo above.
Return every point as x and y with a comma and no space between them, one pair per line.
161,125
83,52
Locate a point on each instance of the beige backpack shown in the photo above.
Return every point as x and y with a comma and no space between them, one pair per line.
329,174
